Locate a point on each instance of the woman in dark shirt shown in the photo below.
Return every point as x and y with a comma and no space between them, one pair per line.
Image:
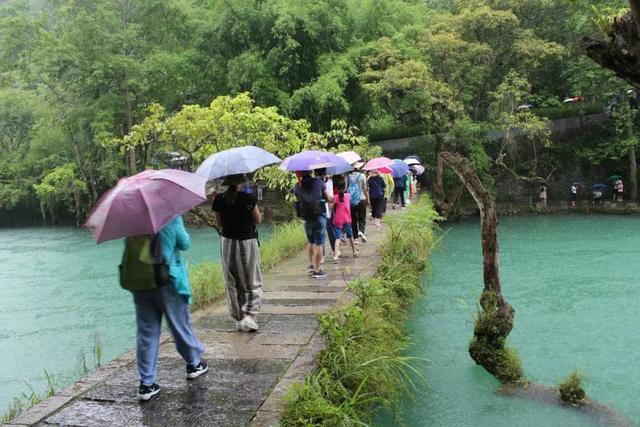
376,195
237,215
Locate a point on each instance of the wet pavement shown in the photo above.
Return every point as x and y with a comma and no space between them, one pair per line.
249,373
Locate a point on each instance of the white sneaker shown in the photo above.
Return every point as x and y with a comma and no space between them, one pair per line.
362,237
239,325
249,324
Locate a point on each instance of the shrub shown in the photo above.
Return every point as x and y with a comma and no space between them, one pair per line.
571,390
284,241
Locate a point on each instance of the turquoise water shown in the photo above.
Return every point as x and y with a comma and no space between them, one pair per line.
574,282
58,289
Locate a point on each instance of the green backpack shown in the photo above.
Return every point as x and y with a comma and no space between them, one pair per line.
143,267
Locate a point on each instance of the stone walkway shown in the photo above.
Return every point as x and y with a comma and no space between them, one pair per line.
248,373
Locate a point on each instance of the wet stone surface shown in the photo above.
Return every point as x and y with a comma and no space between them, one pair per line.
295,302
269,323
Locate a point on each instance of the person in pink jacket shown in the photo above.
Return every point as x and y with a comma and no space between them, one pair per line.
342,220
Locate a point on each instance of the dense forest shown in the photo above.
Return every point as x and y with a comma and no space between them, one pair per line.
92,90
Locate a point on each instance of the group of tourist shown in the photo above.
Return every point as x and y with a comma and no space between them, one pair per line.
331,206
335,208
597,193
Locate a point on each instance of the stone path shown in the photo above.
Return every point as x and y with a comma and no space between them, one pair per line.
249,373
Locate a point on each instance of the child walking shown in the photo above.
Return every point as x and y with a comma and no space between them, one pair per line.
342,220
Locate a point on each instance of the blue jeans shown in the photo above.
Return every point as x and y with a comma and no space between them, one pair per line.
150,306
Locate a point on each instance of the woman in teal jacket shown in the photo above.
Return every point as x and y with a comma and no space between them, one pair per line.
171,300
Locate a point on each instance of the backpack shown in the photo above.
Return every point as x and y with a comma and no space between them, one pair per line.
143,267
309,206
354,190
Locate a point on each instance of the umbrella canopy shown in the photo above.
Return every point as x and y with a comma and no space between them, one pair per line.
615,177
310,160
598,187
377,163
413,156
411,161
350,156
399,169
342,166
418,169
144,203
235,161
386,169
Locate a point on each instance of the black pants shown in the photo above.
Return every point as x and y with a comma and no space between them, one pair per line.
398,196
359,218
376,207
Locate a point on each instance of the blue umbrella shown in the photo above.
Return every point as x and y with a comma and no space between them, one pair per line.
598,187
310,160
399,169
235,161
341,167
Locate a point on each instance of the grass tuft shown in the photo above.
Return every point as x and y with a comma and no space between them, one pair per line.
362,367
571,390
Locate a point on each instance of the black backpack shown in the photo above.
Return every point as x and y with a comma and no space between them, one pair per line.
310,203
143,266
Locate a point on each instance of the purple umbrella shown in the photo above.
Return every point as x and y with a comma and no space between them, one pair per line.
144,203
342,166
419,169
310,160
399,169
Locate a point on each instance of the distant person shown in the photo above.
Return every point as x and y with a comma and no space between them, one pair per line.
619,190
170,299
407,188
388,190
237,214
573,194
311,199
399,187
357,188
342,220
260,190
543,195
597,196
376,196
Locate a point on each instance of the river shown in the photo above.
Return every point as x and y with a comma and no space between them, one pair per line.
58,292
574,282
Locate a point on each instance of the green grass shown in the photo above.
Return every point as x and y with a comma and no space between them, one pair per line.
571,390
362,367
29,399
207,282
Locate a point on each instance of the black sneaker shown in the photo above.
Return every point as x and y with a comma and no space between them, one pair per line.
319,274
146,392
197,370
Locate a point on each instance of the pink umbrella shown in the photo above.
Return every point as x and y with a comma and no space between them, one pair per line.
386,169
377,163
350,156
144,203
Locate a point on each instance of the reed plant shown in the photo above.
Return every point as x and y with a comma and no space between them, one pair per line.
29,399
362,367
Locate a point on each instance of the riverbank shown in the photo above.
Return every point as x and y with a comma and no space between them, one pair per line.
263,365
557,208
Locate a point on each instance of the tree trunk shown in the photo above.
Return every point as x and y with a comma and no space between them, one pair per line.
494,323
442,207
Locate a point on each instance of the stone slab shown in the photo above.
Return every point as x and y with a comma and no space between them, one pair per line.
269,323
171,413
304,309
40,411
301,295
266,419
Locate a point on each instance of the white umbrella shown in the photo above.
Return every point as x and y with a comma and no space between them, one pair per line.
235,161
411,161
